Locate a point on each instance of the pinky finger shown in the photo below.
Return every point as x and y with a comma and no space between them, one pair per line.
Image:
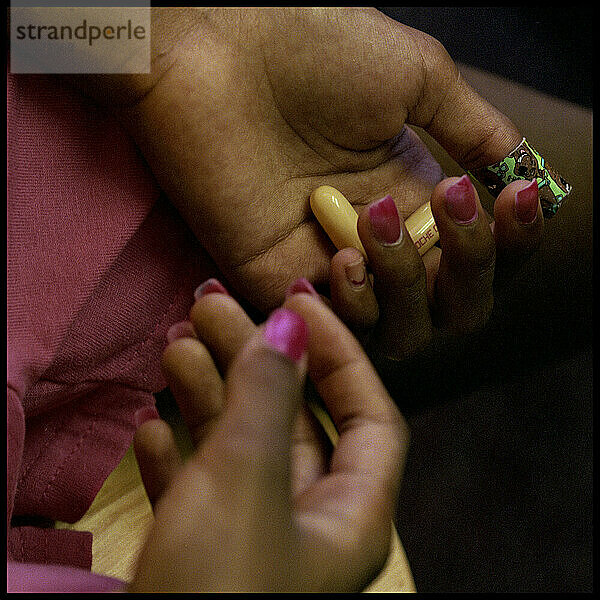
157,456
518,227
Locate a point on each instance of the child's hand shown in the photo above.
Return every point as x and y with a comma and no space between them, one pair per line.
265,503
450,289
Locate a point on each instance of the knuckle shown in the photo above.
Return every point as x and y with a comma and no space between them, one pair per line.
441,69
413,275
405,273
415,289
475,258
436,51
483,268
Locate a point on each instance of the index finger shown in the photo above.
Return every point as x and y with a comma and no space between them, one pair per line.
373,435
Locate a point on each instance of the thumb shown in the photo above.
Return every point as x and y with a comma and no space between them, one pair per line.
469,128
476,134
264,388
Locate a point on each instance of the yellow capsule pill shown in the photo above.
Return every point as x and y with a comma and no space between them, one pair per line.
337,217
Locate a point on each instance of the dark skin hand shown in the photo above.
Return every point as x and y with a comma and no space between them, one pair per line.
247,111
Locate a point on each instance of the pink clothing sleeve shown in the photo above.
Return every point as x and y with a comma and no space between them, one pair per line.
99,266
23,577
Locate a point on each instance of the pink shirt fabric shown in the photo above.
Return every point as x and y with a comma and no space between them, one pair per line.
99,266
30,578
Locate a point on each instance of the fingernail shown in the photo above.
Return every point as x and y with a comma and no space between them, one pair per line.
146,413
287,332
301,286
182,329
385,221
460,201
356,273
526,203
210,286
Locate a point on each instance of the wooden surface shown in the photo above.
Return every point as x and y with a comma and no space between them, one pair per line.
119,519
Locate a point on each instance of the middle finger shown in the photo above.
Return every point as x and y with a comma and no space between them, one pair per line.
400,284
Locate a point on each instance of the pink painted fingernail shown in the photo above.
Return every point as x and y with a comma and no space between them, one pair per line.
356,273
460,201
287,332
385,221
182,329
301,286
210,286
146,413
526,203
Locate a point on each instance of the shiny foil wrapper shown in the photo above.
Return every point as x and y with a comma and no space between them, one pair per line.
527,164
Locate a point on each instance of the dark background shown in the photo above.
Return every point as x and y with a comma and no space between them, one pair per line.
497,494
500,40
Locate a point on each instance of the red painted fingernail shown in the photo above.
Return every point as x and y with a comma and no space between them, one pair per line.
210,286
460,201
182,329
385,221
356,273
287,332
526,203
301,286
